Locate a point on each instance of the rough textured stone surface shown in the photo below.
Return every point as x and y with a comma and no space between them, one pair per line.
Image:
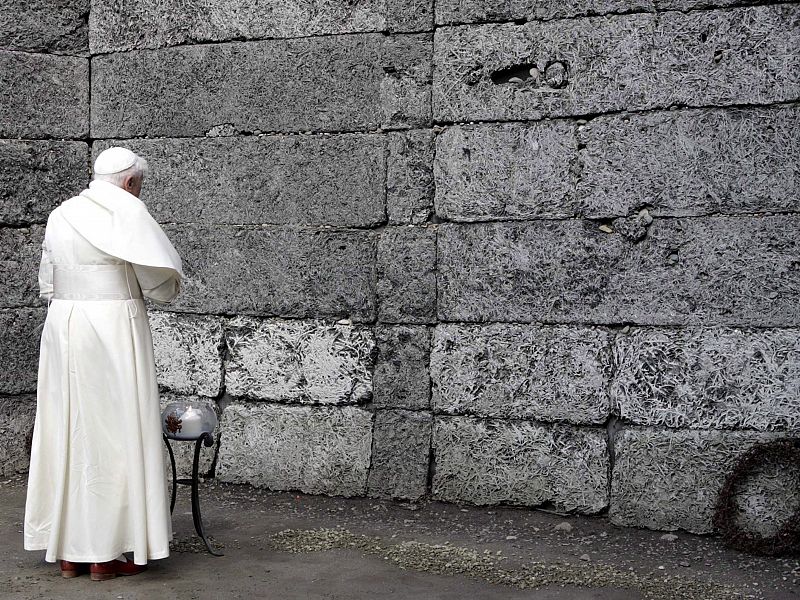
671,479
517,462
126,25
409,177
184,450
20,330
522,372
20,253
692,162
467,11
43,96
287,179
407,275
324,84
718,378
714,270
45,26
188,352
35,177
287,271
16,431
601,64
400,453
402,379
506,171
319,450
310,362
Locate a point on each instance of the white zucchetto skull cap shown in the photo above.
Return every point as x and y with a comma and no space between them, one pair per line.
114,160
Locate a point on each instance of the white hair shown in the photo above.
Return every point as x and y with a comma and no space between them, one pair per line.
137,169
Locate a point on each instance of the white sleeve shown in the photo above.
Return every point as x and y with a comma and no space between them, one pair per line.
159,284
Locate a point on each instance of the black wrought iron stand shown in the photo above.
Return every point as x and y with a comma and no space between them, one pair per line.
208,440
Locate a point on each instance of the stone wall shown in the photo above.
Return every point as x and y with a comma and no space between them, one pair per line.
535,253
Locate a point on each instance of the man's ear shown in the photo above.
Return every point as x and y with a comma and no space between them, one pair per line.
129,183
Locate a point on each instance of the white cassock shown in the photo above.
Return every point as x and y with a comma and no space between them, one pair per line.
97,485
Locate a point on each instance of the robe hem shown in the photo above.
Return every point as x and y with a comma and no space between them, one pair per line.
93,559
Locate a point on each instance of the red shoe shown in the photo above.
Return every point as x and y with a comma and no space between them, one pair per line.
72,569
112,568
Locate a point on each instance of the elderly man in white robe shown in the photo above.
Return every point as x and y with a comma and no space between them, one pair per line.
97,484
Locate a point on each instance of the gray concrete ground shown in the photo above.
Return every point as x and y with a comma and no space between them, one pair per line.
292,546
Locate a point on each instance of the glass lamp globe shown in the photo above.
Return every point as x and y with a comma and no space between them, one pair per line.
185,420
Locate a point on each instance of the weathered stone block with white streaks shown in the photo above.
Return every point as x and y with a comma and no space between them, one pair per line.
16,432
161,23
317,450
402,378
409,177
43,95
328,83
506,171
275,179
517,371
36,176
691,162
188,352
400,454
308,362
600,64
470,11
709,378
276,271
20,253
711,270
517,462
20,330
666,479
45,26
406,287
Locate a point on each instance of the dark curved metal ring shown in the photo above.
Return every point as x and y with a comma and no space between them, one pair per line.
786,540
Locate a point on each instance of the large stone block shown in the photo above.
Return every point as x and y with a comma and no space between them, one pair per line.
188,352
517,462
35,177
42,95
20,254
183,451
402,378
714,270
45,26
602,64
354,82
287,179
319,450
310,362
407,275
159,23
506,171
671,479
409,177
400,454
270,271
20,330
718,378
692,162
470,11
522,371
16,432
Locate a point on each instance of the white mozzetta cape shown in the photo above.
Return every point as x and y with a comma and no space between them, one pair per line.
97,484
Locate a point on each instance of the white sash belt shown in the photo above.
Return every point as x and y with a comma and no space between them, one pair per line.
95,282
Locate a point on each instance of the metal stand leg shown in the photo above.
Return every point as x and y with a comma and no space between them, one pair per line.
174,476
197,518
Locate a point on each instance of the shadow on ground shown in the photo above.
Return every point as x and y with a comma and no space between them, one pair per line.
294,546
